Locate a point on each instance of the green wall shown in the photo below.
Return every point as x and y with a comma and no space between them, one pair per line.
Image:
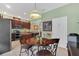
69,10
72,13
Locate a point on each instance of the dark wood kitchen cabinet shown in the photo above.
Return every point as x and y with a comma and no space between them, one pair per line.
20,24
16,24
26,25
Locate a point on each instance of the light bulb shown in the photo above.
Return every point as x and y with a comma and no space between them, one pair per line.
8,6
35,16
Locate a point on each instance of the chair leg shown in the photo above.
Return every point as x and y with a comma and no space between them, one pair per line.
20,51
24,51
27,52
54,50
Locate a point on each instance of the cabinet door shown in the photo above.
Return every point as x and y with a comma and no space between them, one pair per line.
23,24
26,25
16,24
13,23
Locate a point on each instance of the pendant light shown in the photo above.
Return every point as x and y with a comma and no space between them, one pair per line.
35,14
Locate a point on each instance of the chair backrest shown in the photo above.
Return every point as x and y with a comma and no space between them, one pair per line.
50,41
28,41
22,40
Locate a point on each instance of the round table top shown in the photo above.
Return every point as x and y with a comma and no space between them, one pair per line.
44,53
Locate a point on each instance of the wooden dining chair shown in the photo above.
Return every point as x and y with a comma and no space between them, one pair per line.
55,46
24,45
52,44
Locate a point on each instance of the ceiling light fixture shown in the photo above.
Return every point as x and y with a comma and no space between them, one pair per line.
35,14
24,13
8,6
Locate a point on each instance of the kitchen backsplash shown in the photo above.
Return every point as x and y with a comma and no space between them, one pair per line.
21,30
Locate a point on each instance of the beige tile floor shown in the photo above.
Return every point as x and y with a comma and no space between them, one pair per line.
15,44
16,50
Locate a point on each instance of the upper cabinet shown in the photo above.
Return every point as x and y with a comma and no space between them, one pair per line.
16,24
26,25
20,24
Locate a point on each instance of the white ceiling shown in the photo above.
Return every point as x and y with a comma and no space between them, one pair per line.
19,9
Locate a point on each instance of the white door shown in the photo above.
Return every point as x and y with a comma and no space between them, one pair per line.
59,26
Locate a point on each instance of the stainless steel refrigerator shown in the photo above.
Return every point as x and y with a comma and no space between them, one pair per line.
5,36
